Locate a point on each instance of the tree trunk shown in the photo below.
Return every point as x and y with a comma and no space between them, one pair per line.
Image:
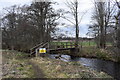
77,27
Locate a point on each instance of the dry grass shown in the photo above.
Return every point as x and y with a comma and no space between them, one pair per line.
97,53
53,68
15,65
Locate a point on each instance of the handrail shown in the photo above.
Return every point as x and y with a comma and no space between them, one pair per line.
50,46
44,44
36,46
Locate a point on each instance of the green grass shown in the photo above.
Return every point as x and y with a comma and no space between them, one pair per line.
87,43
83,43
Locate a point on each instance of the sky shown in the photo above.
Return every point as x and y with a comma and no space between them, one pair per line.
84,5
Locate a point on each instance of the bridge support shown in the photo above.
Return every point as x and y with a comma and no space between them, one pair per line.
74,52
36,53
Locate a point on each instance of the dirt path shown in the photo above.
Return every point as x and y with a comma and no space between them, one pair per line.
18,65
37,71
0,65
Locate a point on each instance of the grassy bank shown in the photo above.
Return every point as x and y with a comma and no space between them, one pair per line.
53,68
18,65
15,65
93,52
89,50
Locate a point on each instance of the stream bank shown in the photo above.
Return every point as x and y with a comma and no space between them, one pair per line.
109,67
18,65
53,68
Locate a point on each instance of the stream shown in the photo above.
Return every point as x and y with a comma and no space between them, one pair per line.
109,67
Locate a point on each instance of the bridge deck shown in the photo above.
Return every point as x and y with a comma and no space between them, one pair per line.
53,47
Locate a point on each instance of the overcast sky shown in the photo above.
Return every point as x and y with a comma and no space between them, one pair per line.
84,5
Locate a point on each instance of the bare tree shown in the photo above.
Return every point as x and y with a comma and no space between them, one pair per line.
117,29
102,16
26,26
94,30
10,22
75,19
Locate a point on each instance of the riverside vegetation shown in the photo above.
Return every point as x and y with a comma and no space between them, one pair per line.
89,50
18,65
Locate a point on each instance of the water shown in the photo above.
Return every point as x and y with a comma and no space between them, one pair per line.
109,67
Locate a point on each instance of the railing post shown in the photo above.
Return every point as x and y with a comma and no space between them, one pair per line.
48,46
70,44
63,45
36,53
55,45
66,45
74,44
